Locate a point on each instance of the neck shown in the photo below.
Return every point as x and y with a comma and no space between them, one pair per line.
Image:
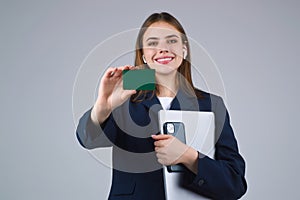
167,85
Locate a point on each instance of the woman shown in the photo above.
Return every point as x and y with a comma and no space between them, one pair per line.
127,120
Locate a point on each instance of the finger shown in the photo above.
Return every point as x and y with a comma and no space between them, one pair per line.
118,72
133,68
161,156
110,72
160,151
160,161
161,137
125,67
160,143
129,92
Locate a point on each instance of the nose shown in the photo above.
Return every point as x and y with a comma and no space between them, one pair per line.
163,48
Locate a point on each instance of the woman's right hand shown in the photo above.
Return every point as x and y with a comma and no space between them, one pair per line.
111,94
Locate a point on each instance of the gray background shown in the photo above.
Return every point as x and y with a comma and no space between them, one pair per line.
255,45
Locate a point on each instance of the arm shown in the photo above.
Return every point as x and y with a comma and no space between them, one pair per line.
96,127
91,135
222,178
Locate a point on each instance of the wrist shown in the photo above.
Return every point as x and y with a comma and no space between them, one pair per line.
189,156
99,113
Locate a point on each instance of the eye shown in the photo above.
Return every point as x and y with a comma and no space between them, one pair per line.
172,41
152,43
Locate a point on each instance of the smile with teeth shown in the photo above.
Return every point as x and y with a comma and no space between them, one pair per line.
164,60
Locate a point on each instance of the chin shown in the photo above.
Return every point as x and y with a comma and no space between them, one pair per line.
163,69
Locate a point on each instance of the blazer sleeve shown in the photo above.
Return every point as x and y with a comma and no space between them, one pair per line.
222,178
92,136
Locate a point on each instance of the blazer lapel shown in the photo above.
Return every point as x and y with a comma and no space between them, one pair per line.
149,102
182,101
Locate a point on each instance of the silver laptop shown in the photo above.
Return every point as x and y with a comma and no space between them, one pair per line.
199,133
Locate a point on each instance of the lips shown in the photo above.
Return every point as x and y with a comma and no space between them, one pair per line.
164,60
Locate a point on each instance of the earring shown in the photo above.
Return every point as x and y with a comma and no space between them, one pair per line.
184,54
144,59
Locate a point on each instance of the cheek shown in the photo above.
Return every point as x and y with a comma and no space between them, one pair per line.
149,53
178,52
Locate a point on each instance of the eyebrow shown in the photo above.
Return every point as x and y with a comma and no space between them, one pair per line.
156,38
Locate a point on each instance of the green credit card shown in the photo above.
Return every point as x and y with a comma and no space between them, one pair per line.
140,79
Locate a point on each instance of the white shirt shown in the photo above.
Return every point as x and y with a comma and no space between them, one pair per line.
165,102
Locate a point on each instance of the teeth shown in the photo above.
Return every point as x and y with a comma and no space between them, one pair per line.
164,59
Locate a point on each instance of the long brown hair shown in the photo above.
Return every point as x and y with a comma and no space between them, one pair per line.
185,81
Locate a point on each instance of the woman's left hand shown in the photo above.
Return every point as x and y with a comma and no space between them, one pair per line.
169,149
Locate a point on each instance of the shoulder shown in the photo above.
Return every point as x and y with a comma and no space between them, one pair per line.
206,100
205,95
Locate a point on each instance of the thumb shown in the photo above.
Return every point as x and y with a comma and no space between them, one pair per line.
127,93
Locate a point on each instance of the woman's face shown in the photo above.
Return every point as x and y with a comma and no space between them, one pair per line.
163,48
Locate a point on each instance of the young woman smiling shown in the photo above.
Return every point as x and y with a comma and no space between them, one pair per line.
127,121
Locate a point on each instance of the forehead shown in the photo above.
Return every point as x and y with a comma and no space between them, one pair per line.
161,29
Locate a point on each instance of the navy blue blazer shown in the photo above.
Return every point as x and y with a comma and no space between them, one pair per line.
137,174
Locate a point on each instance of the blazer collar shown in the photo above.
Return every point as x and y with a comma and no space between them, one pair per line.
182,101
150,101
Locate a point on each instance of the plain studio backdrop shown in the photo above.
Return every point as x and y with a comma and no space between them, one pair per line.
254,44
